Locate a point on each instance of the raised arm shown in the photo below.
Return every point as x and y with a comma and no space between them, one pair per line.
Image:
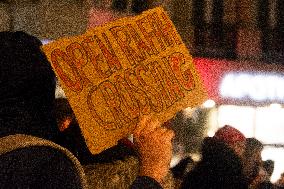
154,146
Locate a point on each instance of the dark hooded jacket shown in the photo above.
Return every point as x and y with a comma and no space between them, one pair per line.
220,168
27,88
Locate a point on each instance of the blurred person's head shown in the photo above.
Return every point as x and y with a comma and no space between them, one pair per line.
221,164
27,87
139,6
104,11
233,138
252,158
268,165
280,181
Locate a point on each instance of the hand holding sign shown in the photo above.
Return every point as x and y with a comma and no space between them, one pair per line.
114,74
154,144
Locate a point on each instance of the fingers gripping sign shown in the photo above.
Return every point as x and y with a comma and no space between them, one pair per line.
146,126
154,145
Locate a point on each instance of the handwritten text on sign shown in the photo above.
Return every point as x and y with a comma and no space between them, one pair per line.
114,74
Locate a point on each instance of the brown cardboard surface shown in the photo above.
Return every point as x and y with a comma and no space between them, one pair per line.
115,73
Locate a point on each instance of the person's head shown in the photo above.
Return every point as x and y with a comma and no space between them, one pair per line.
104,11
268,165
139,6
27,87
280,181
233,138
253,150
252,158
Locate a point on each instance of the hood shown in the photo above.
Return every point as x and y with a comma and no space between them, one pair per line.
27,87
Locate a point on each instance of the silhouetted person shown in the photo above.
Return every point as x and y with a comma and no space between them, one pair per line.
252,161
27,96
221,165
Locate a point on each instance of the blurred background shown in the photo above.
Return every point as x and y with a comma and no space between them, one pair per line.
237,46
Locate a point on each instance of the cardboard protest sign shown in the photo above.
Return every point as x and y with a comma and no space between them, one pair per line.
115,73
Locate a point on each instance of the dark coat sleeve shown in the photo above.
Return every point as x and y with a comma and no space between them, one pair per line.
145,182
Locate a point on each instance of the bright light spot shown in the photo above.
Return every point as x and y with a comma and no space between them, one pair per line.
130,137
175,160
188,111
269,125
240,117
275,106
277,155
45,41
258,87
210,133
195,156
209,104
59,93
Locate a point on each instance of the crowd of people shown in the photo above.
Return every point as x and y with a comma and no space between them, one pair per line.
229,160
28,106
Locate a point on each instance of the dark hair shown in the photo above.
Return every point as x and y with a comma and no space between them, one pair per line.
139,6
268,165
252,165
119,5
252,145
